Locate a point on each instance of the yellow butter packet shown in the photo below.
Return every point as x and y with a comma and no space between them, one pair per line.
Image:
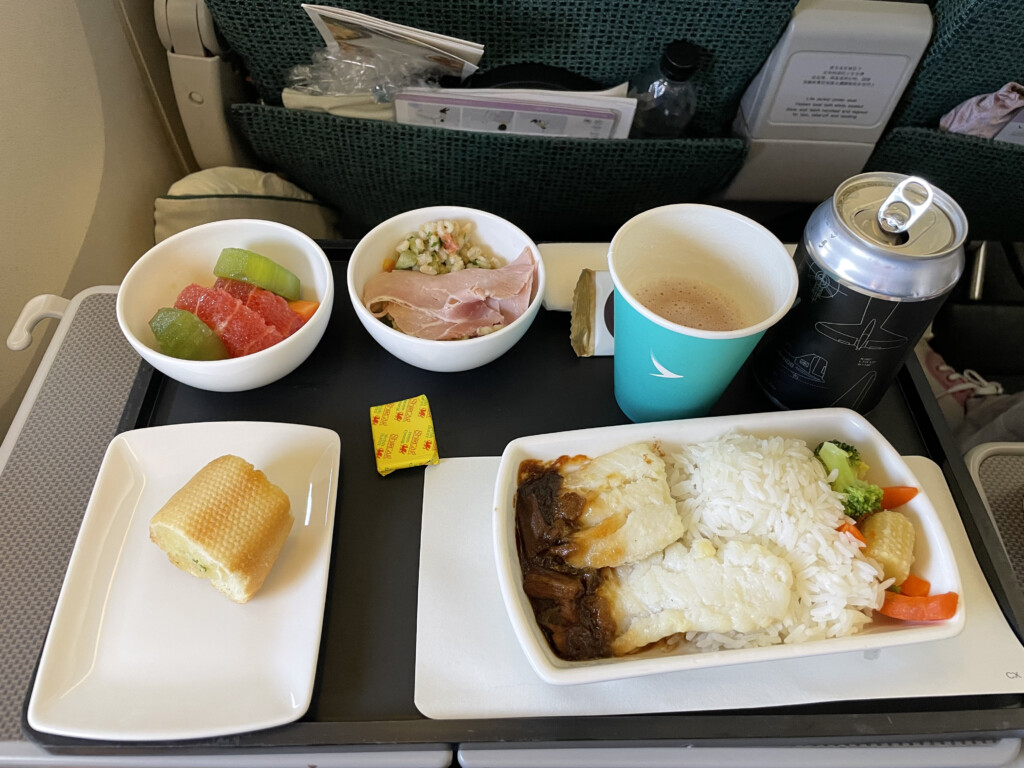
403,434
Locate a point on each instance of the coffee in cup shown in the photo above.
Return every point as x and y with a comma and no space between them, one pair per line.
696,286
693,303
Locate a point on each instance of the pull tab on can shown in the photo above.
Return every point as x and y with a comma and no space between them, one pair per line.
905,204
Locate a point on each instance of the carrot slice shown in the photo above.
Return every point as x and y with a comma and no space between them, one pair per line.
915,586
897,495
303,308
929,608
854,531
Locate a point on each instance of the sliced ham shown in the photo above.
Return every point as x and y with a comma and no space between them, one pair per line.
457,305
426,325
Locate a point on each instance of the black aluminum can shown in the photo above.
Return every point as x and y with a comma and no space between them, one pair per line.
876,261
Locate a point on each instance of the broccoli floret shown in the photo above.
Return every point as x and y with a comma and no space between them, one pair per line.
860,498
854,455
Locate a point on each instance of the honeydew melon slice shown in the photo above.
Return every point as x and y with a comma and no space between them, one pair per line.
251,267
183,335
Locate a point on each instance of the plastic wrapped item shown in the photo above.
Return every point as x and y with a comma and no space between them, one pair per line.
356,72
985,115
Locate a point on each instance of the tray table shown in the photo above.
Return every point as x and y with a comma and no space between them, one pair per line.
363,698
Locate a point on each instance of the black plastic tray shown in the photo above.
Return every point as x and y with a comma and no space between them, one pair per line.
363,697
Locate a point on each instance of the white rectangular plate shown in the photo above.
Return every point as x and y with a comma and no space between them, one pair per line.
934,559
140,650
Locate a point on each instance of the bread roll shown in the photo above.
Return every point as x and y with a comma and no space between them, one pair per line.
227,524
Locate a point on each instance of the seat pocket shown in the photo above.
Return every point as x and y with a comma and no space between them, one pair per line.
554,188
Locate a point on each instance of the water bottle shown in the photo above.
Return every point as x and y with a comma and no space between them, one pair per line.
664,93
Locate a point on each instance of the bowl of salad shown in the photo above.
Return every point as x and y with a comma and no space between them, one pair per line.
228,306
446,288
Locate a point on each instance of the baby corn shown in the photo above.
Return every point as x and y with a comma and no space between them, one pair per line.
890,542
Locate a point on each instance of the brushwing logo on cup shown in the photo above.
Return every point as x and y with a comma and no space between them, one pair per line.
663,372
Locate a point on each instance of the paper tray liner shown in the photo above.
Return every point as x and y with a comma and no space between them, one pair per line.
469,663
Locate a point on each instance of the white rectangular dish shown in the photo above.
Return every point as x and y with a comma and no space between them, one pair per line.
934,559
139,650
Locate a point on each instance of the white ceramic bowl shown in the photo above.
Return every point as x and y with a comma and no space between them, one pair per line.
934,559
502,237
155,280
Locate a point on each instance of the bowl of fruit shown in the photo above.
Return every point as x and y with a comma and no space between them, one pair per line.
228,306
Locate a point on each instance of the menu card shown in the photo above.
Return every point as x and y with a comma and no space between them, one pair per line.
345,29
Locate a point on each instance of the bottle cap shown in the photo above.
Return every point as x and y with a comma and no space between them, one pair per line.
680,60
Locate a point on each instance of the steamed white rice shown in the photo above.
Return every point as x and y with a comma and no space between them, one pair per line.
775,493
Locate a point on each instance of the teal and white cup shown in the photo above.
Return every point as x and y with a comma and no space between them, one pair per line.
696,287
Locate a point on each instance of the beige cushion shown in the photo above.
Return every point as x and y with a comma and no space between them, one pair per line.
222,193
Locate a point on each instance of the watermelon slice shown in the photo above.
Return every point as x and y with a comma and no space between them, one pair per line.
272,308
242,330
237,288
275,311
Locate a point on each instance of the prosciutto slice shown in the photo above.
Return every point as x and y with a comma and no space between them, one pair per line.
456,305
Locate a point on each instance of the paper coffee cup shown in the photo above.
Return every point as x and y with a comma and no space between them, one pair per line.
722,278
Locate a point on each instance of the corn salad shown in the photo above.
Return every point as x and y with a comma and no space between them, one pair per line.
440,247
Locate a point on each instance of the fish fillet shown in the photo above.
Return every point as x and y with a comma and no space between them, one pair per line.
742,587
629,512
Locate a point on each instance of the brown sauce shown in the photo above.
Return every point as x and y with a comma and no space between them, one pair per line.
576,621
